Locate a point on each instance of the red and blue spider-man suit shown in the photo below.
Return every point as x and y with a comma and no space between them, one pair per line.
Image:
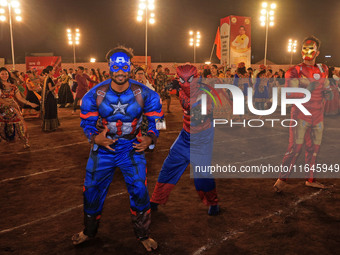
193,145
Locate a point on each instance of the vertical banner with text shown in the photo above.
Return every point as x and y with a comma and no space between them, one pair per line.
240,40
225,41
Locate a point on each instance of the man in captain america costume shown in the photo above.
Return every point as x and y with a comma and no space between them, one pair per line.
309,129
111,115
193,145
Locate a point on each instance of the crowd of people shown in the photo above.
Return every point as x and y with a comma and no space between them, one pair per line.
262,81
39,95
114,111
34,95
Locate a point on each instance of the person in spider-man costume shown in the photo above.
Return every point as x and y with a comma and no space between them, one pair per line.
111,116
309,129
193,145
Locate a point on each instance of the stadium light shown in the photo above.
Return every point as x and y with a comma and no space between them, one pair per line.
13,10
144,7
292,49
194,41
267,20
73,39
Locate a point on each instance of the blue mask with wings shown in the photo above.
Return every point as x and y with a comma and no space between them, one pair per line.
120,61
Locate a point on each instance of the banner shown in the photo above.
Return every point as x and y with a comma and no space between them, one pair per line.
218,43
240,40
235,40
2,62
40,63
225,41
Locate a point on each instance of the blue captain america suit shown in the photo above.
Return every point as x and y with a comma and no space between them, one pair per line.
121,113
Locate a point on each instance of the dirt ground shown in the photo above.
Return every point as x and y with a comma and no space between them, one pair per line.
41,199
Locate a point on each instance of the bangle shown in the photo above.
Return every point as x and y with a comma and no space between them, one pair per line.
153,137
93,137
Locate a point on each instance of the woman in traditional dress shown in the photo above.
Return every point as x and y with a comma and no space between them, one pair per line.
32,96
49,103
241,80
12,125
94,77
65,96
332,105
99,75
261,94
19,83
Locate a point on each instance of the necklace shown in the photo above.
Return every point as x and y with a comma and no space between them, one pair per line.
6,87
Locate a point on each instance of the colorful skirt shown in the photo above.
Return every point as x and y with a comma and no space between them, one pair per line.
33,98
65,95
50,113
12,126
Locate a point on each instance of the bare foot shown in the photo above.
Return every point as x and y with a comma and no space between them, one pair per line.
279,185
79,238
150,244
315,184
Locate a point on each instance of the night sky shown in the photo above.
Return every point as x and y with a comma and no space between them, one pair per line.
106,23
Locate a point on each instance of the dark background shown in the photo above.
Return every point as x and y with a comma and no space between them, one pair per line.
106,23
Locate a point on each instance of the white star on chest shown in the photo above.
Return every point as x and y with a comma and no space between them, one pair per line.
119,108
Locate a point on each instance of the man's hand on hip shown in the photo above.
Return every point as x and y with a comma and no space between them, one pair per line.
102,140
145,141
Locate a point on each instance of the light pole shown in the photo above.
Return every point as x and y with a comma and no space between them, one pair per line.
12,5
292,49
73,39
195,40
144,6
267,20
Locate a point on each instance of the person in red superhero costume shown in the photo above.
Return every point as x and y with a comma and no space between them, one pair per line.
194,144
309,128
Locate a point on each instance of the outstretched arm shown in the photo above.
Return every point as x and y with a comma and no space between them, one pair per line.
23,100
89,79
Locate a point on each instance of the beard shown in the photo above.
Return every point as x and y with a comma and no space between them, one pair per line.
120,79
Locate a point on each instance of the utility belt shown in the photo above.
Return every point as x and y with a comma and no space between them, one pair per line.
128,137
125,137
